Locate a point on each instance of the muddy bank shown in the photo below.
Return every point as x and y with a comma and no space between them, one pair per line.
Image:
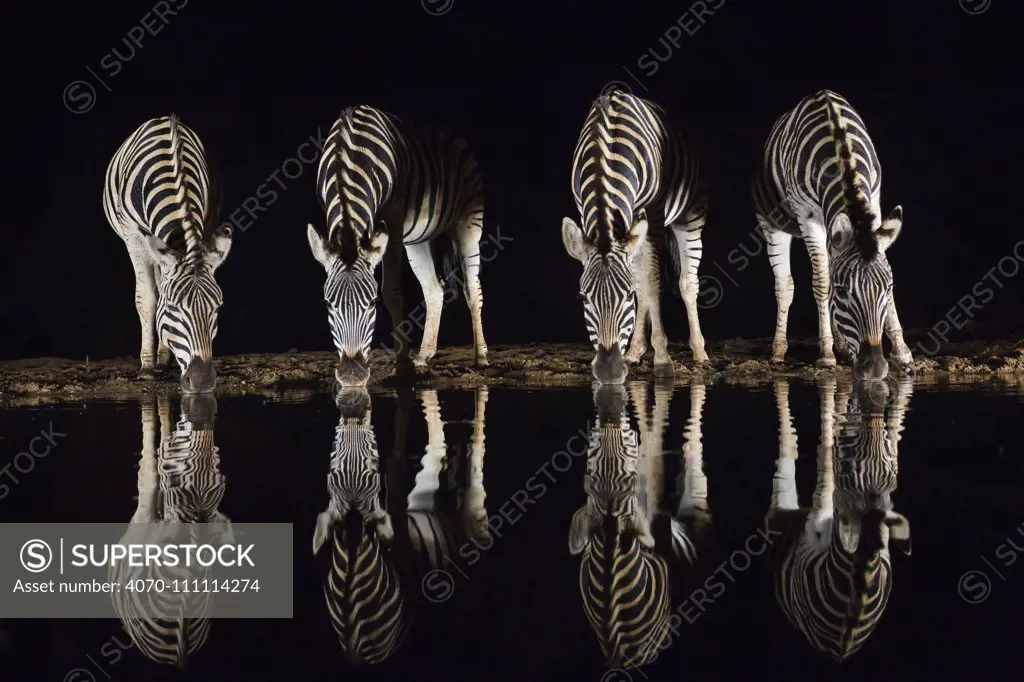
743,361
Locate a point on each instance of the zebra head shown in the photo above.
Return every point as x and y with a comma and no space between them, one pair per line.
179,484
608,293
350,295
364,597
860,294
865,470
189,304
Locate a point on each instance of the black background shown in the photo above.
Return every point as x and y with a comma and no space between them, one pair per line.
255,80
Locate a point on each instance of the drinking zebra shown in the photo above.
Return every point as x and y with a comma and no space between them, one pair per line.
627,541
377,550
833,573
162,196
363,589
377,180
179,483
821,181
632,177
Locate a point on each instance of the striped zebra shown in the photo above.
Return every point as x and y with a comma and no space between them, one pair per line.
832,567
632,176
163,197
622,531
179,483
363,589
821,181
377,179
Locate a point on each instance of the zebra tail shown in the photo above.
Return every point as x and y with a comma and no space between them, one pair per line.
446,261
670,264
193,239
858,206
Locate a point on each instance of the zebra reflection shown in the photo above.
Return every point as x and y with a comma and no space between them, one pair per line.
382,551
628,541
832,568
179,482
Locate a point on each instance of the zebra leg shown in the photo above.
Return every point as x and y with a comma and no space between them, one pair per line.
163,353
638,344
814,238
433,296
467,239
690,248
663,366
900,352
779,244
148,486
784,490
391,288
145,304
693,498
475,497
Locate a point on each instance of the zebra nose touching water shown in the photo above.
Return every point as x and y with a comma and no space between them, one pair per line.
383,186
821,181
162,196
637,191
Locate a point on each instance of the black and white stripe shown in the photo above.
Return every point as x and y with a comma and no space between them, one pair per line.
162,196
821,181
181,483
632,177
624,581
833,573
379,178
363,589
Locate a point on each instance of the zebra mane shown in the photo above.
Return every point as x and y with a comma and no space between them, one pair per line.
854,195
193,236
605,201
347,242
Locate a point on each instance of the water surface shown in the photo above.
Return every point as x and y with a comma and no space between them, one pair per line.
496,543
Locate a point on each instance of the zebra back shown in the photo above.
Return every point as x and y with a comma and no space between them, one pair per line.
362,589
164,159
180,483
832,567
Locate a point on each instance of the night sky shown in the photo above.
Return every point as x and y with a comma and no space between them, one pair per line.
936,85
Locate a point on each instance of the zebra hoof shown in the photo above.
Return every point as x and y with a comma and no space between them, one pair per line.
664,369
825,362
147,374
482,362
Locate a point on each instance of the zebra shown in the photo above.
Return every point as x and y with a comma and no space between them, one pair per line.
363,590
377,551
821,181
163,196
625,570
632,176
378,178
179,483
832,566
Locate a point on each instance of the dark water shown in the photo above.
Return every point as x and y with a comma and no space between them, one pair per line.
509,607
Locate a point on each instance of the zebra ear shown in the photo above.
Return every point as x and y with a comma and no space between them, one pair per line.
643,531
899,532
324,522
375,249
318,245
890,229
573,240
219,245
638,233
842,234
160,253
584,521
